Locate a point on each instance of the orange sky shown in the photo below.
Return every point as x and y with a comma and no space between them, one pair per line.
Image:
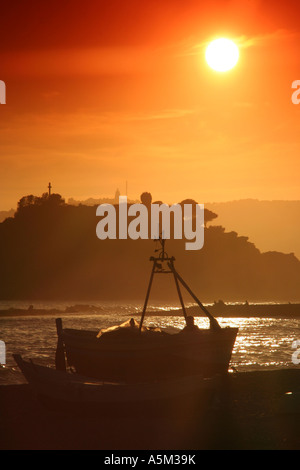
103,92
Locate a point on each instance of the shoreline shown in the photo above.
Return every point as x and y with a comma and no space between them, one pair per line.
218,309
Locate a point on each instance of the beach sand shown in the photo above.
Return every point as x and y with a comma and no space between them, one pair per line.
252,412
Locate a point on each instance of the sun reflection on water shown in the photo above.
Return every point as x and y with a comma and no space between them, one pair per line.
260,343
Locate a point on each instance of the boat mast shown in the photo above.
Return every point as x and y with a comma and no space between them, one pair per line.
213,321
159,267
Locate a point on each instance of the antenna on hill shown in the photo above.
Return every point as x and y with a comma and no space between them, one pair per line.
49,188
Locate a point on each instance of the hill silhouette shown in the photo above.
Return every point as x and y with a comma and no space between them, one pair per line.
271,225
49,250
5,214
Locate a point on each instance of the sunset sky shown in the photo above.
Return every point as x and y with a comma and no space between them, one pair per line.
100,92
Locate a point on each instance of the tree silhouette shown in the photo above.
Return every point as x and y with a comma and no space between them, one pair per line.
208,215
46,200
146,199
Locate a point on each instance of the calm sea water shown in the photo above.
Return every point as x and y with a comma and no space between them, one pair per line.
261,342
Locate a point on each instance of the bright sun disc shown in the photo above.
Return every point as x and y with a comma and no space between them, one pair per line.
222,54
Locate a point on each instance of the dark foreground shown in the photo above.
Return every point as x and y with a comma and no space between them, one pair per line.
249,414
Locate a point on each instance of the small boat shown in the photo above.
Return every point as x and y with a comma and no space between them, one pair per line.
64,391
131,352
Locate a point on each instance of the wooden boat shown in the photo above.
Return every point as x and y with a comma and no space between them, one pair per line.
132,352
71,392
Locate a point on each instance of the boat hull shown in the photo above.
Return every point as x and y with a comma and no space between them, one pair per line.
207,352
65,392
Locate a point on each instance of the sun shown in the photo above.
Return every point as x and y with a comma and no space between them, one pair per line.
222,54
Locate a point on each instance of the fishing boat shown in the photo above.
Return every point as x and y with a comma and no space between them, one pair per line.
65,391
132,352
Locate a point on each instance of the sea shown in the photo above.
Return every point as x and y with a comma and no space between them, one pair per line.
262,343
